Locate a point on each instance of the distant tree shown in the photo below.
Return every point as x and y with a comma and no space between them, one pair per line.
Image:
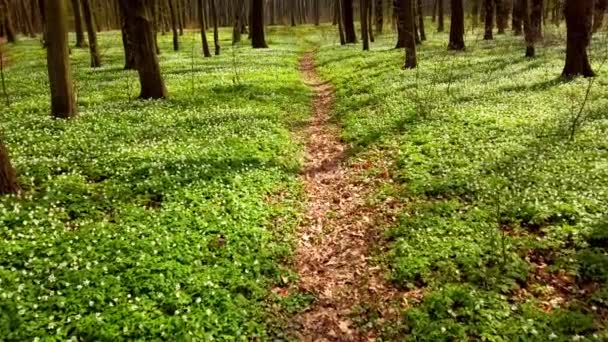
440,20
8,178
174,24
398,13
489,19
579,17
203,26
518,14
379,16
89,20
457,26
258,41
420,16
238,21
138,14
475,13
364,24
407,7
63,104
348,21
502,15
80,41
216,34
600,9
6,21
316,9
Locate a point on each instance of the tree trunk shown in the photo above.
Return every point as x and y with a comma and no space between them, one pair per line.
398,13
236,29
203,25
475,13
457,26
370,16
80,41
440,21
502,16
600,9
258,41
138,14
7,21
127,43
518,14
174,24
489,20
91,33
216,34
407,7
379,16
420,20
348,21
8,177
340,25
529,30
364,29
316,11
63,104
579,16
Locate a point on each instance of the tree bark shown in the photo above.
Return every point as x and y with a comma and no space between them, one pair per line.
174,24
348,21
440,20
258,41
127,43
407,7
138,14
63,104
8,177
489,19
80,41
91,33
364,23
600,9
457,26
579,16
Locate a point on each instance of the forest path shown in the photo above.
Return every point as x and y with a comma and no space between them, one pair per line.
335,239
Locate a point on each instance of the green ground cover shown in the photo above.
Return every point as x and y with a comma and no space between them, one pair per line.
504,223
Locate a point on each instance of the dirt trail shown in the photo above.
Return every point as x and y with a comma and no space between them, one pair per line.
335,238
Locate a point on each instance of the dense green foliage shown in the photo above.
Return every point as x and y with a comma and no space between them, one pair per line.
501,206
150,220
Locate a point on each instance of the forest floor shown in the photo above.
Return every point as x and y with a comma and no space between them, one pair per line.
294,193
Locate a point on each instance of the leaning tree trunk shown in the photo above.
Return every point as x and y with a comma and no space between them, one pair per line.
407,7
203,25
138,14
364,22
440,21
8,177
258,41
91,33
579,16
489,19
379,16
80,41
6,21
457,26
348,21
216,34
174,25
63,104
600,9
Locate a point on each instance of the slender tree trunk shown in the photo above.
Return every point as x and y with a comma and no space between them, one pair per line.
92,34
502,15
410,40
316,11
8,177
364,29
63,104
489,20
400,19
379,16
138,14
180,17
216,34
203,25
421,20
518,14
475,13
338,9
434,15
529,30
348,22
127,43
7,21
370,16
258,41
293,12
457,26
174,24
440,23
579,17
236,29
80,41
600,9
